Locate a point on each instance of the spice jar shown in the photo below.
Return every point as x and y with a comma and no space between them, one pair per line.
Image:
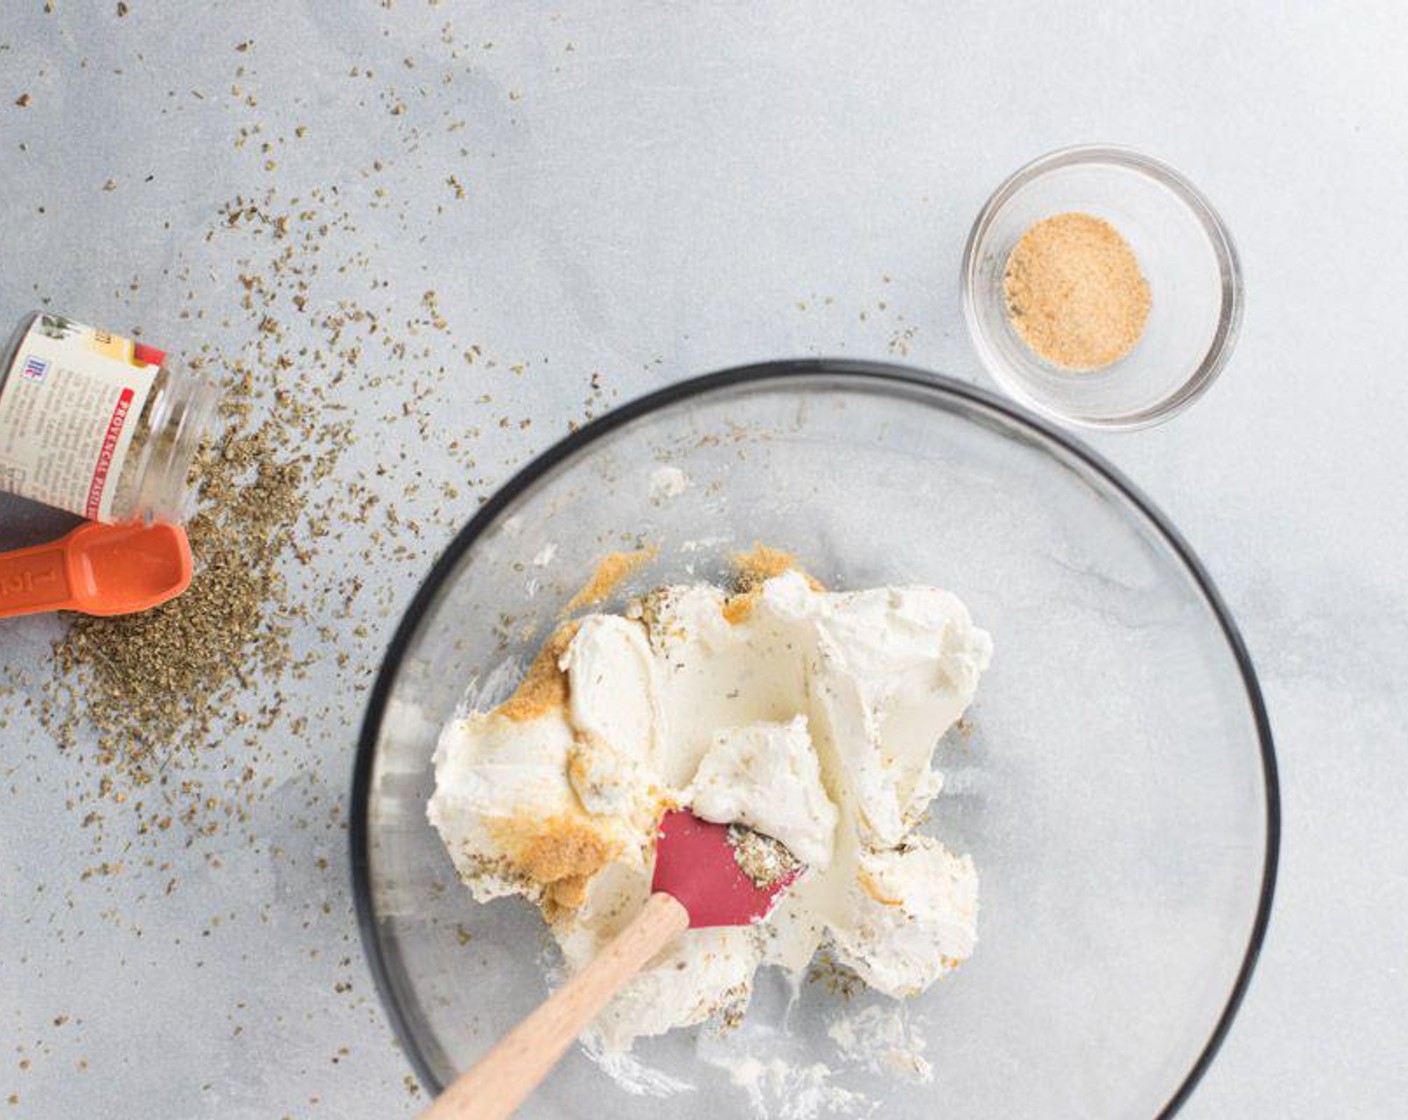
96,424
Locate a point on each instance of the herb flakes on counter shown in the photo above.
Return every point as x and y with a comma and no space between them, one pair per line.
153,681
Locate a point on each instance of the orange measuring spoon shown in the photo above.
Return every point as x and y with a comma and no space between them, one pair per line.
97,569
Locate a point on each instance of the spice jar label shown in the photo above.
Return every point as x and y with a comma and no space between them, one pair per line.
69,404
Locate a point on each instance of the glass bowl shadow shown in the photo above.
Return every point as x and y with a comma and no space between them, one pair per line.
1115,780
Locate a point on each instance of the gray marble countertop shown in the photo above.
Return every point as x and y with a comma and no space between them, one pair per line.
604,200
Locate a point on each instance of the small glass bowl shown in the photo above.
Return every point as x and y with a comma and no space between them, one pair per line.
1184,251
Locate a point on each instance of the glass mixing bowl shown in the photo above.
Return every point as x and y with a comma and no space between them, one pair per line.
1116,785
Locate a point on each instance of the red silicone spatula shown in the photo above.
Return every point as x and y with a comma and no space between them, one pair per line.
697,883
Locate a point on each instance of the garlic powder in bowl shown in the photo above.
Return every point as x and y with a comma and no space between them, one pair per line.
1101,288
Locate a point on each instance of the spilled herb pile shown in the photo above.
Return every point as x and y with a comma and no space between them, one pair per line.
151,682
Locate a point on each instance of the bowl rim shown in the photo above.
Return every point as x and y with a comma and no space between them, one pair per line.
1229,321
754,375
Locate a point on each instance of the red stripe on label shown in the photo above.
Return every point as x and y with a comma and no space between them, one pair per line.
149,354
109,448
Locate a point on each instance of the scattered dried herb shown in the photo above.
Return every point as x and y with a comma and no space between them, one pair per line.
763,859
152,681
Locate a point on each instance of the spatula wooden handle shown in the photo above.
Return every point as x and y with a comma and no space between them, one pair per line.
514,1067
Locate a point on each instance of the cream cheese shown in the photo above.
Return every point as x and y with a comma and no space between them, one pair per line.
809,715
766,775
914,916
